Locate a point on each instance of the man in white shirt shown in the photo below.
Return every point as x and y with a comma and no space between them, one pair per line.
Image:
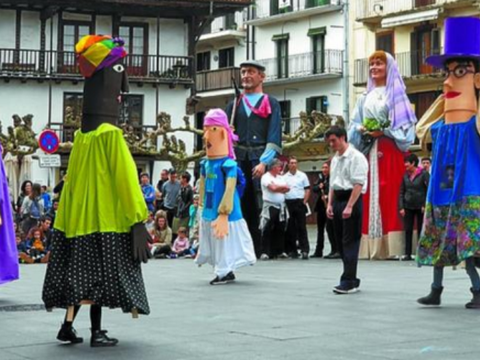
274,212
348,181
296,200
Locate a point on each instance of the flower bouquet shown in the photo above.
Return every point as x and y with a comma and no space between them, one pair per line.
371,124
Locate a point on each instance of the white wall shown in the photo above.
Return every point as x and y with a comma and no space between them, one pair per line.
299,42
7,29
331,88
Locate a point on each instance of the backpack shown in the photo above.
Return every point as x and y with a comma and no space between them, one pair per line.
35,209
241,181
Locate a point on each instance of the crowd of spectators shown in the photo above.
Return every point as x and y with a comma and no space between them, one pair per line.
174,214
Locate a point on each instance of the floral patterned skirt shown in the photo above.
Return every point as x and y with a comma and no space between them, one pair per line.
450,234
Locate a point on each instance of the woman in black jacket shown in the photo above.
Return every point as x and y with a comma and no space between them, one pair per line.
411,202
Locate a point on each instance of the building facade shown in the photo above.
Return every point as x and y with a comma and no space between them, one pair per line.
39,73
411,30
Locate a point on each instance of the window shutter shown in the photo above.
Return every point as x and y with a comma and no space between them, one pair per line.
435,41
414,54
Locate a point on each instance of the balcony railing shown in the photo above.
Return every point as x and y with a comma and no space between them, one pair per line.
66,132
223,23
39,63
220,79
266,8
410,64
380,8
303,65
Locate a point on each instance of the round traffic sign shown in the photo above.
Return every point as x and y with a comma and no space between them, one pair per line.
49,141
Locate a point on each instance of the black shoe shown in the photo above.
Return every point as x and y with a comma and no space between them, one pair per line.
68,333
230,277
100,339
434,298
217,281
334,256
315,255
304,256
343,290
293,255
475,302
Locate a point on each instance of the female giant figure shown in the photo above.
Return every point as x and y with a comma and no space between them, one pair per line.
382,127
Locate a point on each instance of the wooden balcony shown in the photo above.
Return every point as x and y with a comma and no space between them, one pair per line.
62,65
220,79
145,8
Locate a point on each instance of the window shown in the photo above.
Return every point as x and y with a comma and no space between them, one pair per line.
284,6
226,58
230,23
318,103
131,111
72,114
199,125
315,3
71,32
317,36
419,3
203,61
384,41
135,36
424,41
281,44
285,109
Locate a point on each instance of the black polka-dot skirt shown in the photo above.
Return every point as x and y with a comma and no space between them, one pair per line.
97,267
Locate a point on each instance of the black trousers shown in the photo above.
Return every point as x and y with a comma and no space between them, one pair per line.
322,222
297,226
170,215
408,221
349,232
251,204
273,234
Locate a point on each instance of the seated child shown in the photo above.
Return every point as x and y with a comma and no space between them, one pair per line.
181,245
37,250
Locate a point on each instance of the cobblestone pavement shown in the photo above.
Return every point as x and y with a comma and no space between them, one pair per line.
281,309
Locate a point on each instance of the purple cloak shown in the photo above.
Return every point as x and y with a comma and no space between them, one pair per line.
8,247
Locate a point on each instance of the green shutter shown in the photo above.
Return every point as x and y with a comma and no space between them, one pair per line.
280,37
317,31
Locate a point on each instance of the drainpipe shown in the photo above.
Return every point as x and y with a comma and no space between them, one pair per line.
157,84
346,69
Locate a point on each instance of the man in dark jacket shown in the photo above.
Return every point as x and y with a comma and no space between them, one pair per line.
411,202
322,188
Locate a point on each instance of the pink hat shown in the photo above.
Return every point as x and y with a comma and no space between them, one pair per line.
217,117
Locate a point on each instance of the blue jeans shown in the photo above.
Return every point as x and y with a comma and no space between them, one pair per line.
469,267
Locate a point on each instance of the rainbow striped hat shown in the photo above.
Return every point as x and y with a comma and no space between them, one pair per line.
96,52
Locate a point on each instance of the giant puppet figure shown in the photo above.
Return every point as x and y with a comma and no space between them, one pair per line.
8,248
451,229
257,120
382,127
225,242
102,210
